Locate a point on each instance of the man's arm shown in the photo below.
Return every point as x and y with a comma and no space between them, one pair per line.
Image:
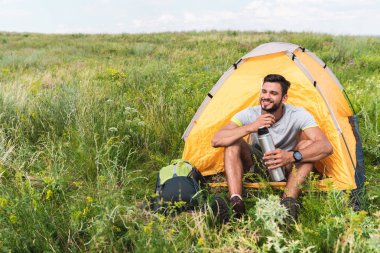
316,151
319,149
230,133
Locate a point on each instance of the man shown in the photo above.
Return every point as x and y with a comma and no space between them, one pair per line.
296,135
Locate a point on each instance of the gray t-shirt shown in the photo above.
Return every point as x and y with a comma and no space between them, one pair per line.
285,131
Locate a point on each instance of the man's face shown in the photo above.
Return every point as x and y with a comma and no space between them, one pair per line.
271,97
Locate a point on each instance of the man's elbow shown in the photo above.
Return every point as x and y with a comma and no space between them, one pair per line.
214,143
217,142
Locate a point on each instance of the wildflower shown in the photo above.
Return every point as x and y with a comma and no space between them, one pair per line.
18,178
148,228
161,218
271,213
101,179
22,118
13,218
89,200
170,233
86,210
49,193
47,180
200,241
359,218
5,71
3,202
77,184
35,204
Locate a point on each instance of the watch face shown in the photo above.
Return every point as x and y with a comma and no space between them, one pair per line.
297,156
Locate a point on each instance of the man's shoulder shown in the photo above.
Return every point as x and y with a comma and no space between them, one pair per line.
295,109
246,115
256,108
252,109
300,115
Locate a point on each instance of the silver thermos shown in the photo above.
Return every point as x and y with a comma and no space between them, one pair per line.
267,144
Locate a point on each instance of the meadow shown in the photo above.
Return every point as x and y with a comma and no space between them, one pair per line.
87,121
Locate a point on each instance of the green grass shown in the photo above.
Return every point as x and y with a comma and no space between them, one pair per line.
88,120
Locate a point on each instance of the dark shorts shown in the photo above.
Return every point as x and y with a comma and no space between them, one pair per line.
258,169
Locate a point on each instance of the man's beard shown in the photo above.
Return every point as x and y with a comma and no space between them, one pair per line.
273,108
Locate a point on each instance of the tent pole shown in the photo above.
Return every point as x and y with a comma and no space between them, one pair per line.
349,101
349,153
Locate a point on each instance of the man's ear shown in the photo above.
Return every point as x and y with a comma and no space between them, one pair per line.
284,98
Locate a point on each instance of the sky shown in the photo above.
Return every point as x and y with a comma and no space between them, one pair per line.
337,17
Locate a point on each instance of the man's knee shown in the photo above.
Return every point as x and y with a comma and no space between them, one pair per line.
239,150
234,149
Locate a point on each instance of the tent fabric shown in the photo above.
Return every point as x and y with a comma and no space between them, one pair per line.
313,86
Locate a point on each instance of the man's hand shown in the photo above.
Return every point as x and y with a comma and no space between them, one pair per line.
265,120
277,158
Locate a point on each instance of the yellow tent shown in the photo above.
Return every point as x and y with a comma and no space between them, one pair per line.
313,86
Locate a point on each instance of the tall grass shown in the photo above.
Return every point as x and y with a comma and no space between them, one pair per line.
88,120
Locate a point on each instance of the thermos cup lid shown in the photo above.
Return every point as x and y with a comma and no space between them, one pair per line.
262,130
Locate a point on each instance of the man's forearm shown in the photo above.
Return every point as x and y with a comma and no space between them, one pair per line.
316,151
227,137
232,132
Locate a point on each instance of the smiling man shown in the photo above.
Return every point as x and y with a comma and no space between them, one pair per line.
297,137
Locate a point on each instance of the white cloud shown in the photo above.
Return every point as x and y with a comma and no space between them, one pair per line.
116,16
13,13
6,2
337,16
167,19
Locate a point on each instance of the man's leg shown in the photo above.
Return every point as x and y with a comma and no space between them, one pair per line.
297,178
237,157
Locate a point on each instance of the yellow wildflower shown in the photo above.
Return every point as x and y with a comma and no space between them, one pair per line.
13,218
101,179
148,228
161,218
49,193
170,233
86,210
47,180
77,184
35,204
3,202
89,200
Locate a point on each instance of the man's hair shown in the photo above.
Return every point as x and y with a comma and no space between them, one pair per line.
275,78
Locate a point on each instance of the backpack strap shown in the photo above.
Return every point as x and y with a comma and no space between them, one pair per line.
175,170
196,184
155,201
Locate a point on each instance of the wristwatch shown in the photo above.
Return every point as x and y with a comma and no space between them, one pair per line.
297,156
